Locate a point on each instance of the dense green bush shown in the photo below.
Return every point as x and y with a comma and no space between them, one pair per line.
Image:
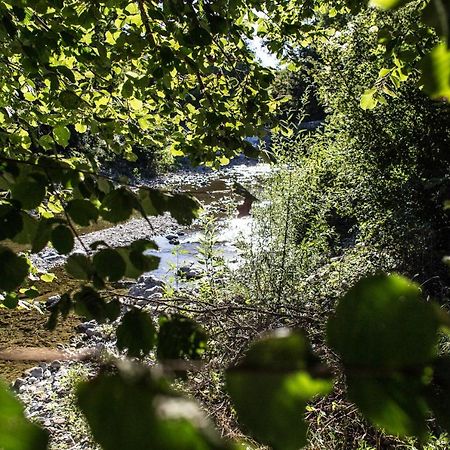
369,179
363,194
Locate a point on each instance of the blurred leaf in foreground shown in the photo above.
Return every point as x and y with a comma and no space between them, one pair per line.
271,386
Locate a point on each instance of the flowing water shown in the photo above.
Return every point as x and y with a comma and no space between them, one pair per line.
227,197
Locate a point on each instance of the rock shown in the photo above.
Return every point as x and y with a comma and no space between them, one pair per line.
91,332
190,272
152,295
55,366
52,301
149,280
145,282
18,383
35,372
173,239
137,291
153,290
83,327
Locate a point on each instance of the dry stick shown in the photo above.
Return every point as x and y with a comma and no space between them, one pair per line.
211,309
47,354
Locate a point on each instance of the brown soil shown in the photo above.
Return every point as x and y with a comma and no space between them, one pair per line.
22,328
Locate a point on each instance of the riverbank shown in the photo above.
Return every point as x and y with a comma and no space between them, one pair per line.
45,386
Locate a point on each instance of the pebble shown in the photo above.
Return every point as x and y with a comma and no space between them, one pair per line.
59,420
52,301
35,372
55,365
18,383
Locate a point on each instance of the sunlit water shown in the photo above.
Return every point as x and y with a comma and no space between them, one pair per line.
215,192
185,254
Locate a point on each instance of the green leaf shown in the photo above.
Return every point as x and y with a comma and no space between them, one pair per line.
13,270
435,69
11,301
46,142
127,89
89,304
136,410
143,262
137,263
82,212
386,337
117,206
69,100
79,266
109,264
372,319
388,4
436,15
180,337
136,333
11,221
28,232
41,236
80,128
48,277
271,386
183,208
61,135
62,307
62,239
113,309
16,432
29,191
367,99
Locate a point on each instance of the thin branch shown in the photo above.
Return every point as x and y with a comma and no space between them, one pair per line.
68,219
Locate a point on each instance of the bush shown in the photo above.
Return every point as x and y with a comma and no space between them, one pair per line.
364,194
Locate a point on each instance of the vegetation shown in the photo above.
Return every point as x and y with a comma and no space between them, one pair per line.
358,200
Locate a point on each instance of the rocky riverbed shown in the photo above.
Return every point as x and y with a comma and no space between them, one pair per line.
47,389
